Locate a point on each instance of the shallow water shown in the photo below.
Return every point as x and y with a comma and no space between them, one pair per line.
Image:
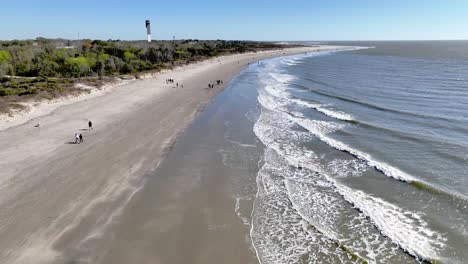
365,157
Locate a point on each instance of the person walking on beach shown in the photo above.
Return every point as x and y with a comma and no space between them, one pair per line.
90,125
81,138
77,138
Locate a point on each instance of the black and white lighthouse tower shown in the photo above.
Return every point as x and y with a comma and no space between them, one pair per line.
148,30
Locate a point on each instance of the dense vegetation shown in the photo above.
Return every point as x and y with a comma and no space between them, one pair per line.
48,68
72,59
51,67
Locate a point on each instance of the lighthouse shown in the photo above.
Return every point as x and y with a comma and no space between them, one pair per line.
148,30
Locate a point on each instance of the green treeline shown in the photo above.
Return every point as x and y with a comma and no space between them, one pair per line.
97,58
50,68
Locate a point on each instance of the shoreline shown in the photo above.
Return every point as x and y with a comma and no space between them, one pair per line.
73,191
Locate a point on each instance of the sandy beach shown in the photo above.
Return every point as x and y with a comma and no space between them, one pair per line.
58,198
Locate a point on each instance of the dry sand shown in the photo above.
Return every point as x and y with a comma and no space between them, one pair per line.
55,195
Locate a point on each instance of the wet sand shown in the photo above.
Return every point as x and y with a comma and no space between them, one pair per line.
60,201
195,208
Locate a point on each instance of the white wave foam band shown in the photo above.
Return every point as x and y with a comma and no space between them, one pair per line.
335,114
381,166
282,77
278,89
405,228
294,158
272,215
421,249
291,61
332,215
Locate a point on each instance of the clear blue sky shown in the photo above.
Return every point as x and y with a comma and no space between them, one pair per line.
237,19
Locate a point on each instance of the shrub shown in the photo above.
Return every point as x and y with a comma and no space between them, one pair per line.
129,56
47,68
77,67
5,69
7,91
5,56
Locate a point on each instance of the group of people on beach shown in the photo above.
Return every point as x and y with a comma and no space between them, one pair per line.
168,81
79,136
218,82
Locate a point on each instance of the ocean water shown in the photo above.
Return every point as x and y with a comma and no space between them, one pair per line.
366,155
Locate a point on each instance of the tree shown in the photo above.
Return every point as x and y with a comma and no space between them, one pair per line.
77,67
100,65
5,66
5,69
47,68
5,56
152,55
129,56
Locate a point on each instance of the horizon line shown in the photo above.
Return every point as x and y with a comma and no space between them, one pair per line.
341,40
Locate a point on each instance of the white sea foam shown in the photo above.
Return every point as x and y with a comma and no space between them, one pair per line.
425,242
291,61
326,209
279,233
275,128
282,77
379,165
277,87
275,132
405,228
245,220
277,136
322,109
347,168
